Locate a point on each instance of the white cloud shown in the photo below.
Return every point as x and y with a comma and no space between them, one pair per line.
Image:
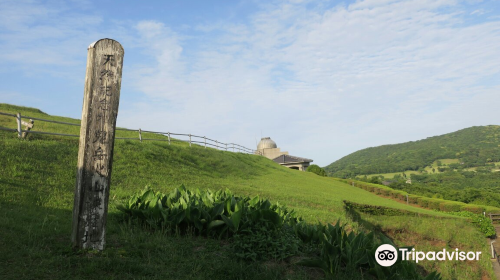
321,80
304,74
35,35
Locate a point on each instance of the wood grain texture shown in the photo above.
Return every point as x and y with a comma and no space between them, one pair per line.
97,133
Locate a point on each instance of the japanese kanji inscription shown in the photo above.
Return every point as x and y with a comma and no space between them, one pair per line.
97,134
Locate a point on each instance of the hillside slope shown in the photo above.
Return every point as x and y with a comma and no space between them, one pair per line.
474,146
37,180
164,167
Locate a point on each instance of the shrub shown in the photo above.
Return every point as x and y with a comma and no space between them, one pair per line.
478,209
385,192
451,206
434,203
377,190
376,210
413,199
370,188
491,209
482,223
423,201
316,170
400,195
391,193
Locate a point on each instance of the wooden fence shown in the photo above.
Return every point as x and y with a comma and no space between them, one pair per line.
494,217
193,139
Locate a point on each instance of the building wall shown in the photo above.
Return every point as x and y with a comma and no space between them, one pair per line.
301,166
271,153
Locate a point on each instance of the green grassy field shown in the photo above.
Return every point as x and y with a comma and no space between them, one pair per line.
37,180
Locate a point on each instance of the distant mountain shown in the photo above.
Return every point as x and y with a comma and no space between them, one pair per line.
474,146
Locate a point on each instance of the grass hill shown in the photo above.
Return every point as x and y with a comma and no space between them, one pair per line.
37,178
474,146
460,166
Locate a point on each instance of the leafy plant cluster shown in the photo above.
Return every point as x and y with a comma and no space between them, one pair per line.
483,223
260,230
342,252
207,213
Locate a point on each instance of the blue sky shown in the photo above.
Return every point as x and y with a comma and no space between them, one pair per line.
321,78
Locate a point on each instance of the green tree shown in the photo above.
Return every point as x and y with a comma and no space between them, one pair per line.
316,170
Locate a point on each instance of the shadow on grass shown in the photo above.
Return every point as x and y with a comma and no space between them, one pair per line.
35,244
382,236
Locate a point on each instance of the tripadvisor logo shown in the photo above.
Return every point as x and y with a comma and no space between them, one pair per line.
387,255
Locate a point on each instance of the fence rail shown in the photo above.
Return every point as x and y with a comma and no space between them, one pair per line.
205,141
494,217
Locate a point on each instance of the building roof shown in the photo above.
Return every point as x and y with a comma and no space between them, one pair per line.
266,143
290,159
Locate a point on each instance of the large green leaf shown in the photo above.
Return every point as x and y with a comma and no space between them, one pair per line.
227,221
122,208
148,195
236,219
271,216
215,223
253,202
217,210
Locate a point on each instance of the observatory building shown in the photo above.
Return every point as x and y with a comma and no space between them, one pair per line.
269,149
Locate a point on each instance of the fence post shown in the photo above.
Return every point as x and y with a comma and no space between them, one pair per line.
168,133
233,147
217,144
493,250
190,140
29,125
19,130
226,146
140,134
205,137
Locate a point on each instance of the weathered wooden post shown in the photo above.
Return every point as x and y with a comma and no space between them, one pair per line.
28,126
95,155
19,129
